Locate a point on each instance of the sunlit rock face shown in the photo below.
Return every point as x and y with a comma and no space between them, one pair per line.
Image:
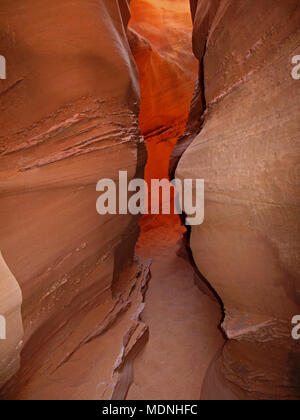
160,37
248,152
68,118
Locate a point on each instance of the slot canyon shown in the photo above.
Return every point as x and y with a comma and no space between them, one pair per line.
145,307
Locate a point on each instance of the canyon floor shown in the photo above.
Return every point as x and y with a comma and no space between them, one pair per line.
182,321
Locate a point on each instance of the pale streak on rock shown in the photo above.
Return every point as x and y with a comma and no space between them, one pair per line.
10,309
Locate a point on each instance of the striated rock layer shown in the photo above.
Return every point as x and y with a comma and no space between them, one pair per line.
68,117
246,107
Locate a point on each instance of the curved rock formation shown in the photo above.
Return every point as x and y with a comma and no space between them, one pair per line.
248,153
69,110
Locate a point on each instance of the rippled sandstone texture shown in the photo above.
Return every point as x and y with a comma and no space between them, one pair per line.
68,118
248,152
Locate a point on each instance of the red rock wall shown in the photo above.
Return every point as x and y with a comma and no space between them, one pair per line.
68,117
248,153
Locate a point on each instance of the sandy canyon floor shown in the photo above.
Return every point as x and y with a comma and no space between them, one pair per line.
182,322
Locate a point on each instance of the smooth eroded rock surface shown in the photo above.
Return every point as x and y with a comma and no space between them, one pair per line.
248,154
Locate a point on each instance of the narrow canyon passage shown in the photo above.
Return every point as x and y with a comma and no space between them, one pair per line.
98,302
183,320
84,322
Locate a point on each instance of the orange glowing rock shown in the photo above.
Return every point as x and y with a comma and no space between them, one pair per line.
160,37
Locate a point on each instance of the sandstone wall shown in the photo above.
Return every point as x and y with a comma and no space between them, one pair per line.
68,118
246,108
